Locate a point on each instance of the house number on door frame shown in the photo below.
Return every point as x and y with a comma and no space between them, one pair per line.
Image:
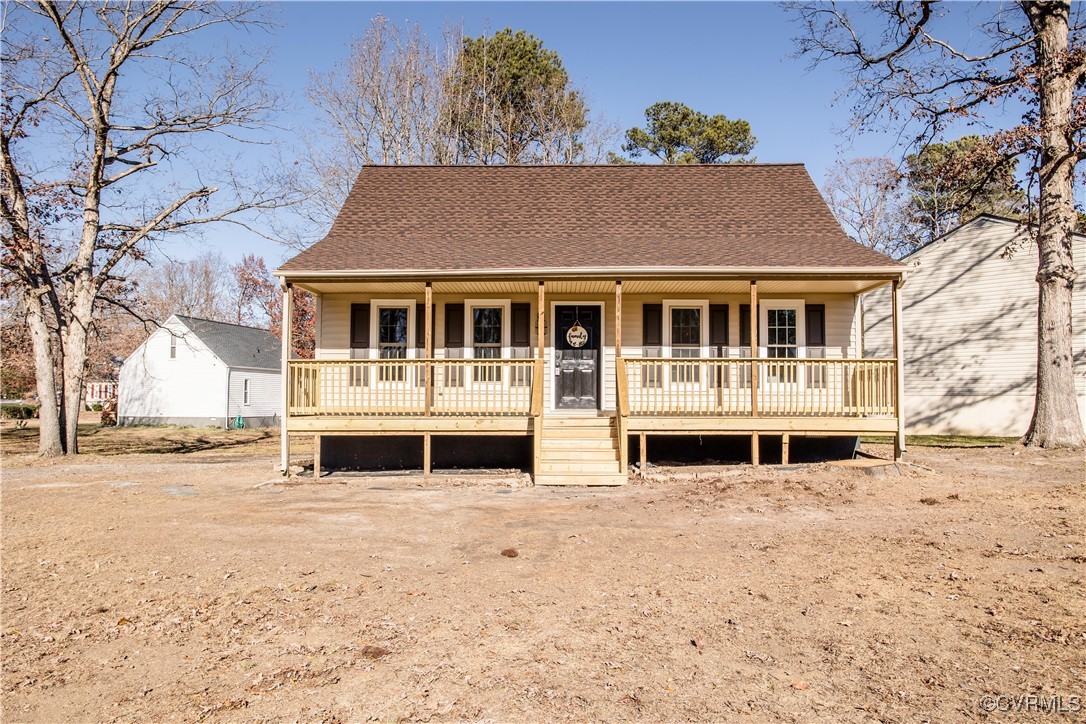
577,336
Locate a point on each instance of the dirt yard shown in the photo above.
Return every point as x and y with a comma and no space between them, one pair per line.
185,586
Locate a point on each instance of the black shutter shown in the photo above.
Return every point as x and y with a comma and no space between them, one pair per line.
521,312
454,325
718,326
360,326
744,325
420,326
652,322
816,325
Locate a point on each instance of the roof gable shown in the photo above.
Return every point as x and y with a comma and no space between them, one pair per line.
236,345
402,219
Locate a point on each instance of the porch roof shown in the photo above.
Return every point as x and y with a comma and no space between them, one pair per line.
442,221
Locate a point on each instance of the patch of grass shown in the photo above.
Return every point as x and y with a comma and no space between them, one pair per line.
944,441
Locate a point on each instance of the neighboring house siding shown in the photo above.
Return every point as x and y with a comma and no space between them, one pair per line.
264,396
969,318
842,333
187,390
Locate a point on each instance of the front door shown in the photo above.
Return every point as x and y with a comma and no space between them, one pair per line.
577,355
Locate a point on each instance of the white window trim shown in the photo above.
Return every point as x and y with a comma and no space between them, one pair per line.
469,325
173,343
800,307
376,305
703,305
246,393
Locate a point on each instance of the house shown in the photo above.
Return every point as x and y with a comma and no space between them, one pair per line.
95,392
970,323
566,316
201,373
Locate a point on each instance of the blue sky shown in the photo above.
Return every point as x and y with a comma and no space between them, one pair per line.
730,57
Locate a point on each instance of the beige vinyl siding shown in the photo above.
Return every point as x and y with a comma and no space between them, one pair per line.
969,319
842,338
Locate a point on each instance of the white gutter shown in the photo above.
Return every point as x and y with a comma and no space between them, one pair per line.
606,272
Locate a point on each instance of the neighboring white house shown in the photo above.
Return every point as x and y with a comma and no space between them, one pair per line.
196,372
969,314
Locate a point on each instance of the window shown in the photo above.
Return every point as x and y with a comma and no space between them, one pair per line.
783,331
392,335
685,332
486,340
173,346
245,392
685,340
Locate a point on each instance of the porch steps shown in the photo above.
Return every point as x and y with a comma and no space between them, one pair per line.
579,450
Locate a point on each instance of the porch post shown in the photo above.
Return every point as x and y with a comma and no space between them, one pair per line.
284,437
316,384
428,320
623,439
899,368
618,319
539,324
537,379
753,349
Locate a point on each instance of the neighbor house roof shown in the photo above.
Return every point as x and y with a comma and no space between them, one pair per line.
235,345
406,219
1015,226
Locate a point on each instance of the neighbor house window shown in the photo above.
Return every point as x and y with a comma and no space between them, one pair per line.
245,392
486,341
173,347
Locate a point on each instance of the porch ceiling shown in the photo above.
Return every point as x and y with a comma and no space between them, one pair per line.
596,286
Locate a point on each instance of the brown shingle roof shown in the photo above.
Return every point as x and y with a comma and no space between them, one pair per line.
444,218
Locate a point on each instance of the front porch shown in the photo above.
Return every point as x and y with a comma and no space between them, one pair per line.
636,388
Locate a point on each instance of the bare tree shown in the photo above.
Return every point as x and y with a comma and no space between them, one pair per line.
200,287
111,108
380,106
865,194
399,98
910,74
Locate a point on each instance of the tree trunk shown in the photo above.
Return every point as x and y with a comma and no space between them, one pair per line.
1056,420
75,367
50,439
76,338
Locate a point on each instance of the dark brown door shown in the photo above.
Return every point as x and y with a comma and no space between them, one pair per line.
577,357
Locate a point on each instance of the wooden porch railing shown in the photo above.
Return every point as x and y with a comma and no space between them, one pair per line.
785,387
399,387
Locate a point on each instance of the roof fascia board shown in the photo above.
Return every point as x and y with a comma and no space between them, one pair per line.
692,273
